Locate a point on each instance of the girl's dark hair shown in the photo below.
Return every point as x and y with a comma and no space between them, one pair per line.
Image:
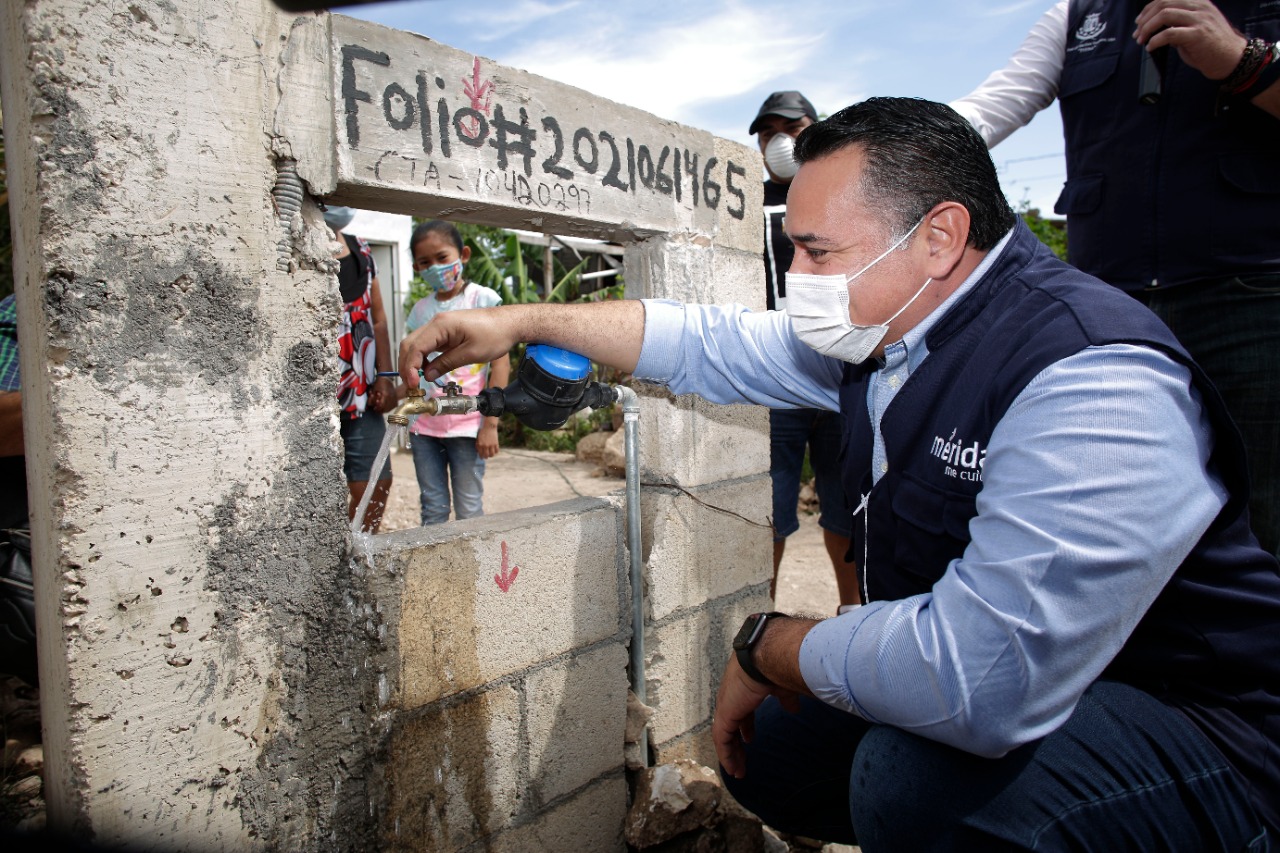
436,226
918,154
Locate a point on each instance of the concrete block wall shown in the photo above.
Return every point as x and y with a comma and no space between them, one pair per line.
504,663
223,666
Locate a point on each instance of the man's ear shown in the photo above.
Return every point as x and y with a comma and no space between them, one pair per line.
946,230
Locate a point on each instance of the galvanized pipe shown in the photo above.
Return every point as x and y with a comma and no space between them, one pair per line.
631,428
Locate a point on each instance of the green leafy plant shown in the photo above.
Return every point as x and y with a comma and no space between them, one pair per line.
1052,232
500,264
512,433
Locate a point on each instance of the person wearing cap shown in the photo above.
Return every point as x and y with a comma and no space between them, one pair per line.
364,351
781,118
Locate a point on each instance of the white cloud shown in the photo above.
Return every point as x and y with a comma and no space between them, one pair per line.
673,68
481,23
1012,8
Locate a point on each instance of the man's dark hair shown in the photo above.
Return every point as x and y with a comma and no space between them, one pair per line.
436,226
918,154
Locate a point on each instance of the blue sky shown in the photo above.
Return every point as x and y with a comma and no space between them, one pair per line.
710,63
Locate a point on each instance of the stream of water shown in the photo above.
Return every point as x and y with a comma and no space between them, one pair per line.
393,432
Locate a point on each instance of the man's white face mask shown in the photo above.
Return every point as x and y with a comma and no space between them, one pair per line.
819,310
780,156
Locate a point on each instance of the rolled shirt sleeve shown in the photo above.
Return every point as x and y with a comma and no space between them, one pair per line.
1096,487
728,354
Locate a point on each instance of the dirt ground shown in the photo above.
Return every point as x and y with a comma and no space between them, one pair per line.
519,479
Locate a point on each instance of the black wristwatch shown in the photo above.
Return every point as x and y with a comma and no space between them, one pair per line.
748,635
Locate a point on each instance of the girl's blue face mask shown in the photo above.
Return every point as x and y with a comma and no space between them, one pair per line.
442,277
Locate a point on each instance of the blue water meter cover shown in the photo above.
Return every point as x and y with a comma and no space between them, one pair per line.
559,362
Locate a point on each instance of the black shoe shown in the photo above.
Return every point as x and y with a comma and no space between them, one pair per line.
17,607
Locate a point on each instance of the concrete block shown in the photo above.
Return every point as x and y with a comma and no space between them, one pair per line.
746,232
739,276
689,442
680,665
690,268
577,715
487,597
697,554
589,822
453,773
685,657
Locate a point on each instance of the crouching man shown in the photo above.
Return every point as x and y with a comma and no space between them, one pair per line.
1070,640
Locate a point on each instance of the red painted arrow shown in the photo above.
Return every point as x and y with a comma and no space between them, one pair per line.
504,580
479,91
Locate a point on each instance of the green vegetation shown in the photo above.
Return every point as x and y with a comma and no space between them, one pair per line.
512,433
500,262
1052,232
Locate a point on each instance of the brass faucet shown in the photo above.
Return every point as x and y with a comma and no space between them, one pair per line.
418,403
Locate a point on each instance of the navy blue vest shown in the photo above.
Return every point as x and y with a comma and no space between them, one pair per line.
1172,192
1210,644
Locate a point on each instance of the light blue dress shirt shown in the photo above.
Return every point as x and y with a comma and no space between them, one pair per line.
1096,486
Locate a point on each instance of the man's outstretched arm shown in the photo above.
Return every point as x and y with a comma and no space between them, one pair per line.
609,333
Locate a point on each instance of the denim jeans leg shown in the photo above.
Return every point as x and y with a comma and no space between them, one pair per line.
430,463
788,436
466,473
1231,327
797,776
1125,772
825,445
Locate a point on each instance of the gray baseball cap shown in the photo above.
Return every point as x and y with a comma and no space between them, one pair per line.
790,104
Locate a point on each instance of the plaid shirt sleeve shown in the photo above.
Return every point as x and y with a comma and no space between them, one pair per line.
9,379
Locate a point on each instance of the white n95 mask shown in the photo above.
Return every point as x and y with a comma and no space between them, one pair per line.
819,309
780,156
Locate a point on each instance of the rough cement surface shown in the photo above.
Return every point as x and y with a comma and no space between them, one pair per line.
575,733
687,567
564,594
210,637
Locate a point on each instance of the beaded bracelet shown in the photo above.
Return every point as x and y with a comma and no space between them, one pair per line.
1257,53
1266,76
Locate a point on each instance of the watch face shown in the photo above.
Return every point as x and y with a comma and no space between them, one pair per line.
747,632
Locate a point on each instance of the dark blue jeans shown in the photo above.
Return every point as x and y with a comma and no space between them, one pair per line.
790,432
445,464
1231,327
1124,773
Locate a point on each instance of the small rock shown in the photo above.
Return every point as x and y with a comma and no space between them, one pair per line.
672,799
808,499
591,447
35,822
27,788
615,459
30,760
683,808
